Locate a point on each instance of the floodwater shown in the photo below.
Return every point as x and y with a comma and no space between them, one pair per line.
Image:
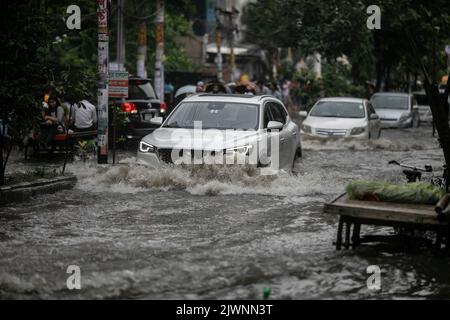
217,233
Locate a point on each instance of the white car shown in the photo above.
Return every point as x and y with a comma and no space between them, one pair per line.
396,110
203,126
342,117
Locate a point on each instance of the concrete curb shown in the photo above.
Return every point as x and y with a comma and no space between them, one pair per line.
23,191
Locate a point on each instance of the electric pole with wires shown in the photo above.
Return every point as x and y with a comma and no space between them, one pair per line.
120,52
159,61
102,85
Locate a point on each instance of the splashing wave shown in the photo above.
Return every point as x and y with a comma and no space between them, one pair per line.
128,177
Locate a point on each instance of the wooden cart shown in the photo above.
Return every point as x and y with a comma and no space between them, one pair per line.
354,213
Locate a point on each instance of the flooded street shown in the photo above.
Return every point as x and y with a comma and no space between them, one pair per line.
216,233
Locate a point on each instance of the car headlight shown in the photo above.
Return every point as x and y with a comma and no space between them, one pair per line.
242,150
357,130
146,148
404,116
306,128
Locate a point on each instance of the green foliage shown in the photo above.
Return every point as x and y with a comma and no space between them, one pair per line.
24,32
338,27
287,70
310,88
175,25
39,52
119,122
337,81
417,192
86,149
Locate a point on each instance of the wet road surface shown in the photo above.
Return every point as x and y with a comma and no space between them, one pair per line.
216,232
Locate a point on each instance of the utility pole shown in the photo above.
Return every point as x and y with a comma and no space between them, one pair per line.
219,53
232,28
102,85
159,61
120,56
232,59
229,29
142,50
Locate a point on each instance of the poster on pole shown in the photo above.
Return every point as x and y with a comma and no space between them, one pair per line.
102,84
118,84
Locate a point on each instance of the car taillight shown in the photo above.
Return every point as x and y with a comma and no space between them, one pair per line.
128,107
163,107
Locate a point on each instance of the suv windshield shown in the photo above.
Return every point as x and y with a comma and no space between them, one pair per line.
390,102
215,115
338,109
140,90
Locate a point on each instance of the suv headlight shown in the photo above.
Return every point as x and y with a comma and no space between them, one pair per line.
357,130
243,150
306,128
146,148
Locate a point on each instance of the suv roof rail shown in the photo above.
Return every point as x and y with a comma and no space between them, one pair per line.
225,95
265,96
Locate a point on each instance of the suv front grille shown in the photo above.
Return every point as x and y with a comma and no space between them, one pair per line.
165,155
331,132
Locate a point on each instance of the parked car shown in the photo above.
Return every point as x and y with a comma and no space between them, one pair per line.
396,110
232,125
141,106
342,117
424,106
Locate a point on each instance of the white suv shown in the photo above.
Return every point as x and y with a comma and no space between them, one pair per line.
224,129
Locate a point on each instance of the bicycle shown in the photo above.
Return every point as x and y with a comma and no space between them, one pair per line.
414,174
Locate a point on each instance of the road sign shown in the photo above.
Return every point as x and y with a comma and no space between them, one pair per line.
118,84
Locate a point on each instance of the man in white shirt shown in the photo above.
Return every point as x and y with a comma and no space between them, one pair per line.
84,116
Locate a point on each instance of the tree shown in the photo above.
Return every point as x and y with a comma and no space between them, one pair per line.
39,51
338,27
24,32
175,25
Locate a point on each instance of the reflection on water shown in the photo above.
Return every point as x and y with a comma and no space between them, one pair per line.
215,232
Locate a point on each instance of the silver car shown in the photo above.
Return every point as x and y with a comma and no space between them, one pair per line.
257,129
396,110
342,117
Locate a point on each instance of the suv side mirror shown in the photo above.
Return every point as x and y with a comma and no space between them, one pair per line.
274,125
374,116
303,114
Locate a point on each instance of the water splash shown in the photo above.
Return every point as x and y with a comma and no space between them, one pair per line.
313,143
128,177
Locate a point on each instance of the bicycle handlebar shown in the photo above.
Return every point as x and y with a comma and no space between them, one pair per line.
428,168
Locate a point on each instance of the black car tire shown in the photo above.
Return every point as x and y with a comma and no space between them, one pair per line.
298,152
